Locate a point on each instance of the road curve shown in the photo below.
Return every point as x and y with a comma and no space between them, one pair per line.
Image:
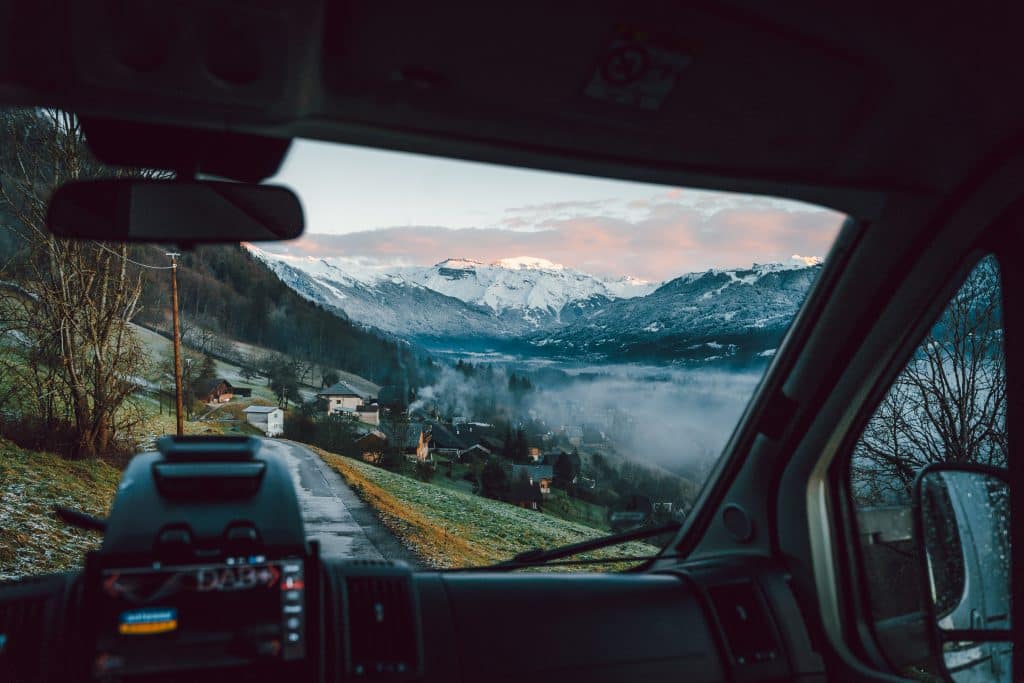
344,525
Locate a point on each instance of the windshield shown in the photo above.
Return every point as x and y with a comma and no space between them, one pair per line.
460,362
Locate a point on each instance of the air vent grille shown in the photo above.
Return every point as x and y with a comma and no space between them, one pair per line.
366,563
746,624
22,624
382,629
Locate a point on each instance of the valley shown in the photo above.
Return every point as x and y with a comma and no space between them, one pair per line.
532,308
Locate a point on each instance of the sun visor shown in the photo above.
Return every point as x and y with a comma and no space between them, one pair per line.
248,158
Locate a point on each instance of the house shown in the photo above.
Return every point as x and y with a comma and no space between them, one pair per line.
371,446
446,441
268,419
526,491
214,390
537,475
476,452
368,413
433,438
406,436
340,397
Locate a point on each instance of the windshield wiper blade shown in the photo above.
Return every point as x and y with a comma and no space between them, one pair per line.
82,520
540,556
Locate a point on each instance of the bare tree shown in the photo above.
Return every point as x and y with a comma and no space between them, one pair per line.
246,369
73,320
303,370
948,404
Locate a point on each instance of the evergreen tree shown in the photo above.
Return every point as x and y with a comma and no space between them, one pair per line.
564,473
509,448
521,449
494,480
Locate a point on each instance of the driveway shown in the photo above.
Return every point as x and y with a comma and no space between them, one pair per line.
345,526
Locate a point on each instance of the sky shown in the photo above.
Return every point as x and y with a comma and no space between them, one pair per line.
377,208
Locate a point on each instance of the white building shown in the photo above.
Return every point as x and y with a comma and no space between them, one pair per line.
340,398
268,419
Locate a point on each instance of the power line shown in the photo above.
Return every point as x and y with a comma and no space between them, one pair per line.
141,265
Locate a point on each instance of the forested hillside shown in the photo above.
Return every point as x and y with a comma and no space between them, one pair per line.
224,289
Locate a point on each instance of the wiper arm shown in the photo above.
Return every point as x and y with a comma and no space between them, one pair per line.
540,556
80,519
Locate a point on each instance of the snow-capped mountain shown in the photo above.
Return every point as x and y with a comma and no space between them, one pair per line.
392,304
454,297
714,315
533,285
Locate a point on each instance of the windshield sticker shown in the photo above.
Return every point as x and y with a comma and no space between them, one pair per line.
148,621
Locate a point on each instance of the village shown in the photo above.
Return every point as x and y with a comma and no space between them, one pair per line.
562,461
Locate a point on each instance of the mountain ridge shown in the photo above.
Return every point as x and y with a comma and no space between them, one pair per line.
711,315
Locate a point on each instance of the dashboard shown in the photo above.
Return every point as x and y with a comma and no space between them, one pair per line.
204,574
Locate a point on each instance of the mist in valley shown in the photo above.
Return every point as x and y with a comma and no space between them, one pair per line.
678,419
672,418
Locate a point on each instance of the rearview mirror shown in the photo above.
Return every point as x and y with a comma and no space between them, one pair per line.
140,210
962,515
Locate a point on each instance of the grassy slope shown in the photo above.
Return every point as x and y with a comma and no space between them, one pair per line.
157,346
32,539
558,504
450,528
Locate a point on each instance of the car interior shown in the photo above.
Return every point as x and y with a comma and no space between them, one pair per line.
903,117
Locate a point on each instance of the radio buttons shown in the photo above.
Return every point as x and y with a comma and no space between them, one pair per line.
293,622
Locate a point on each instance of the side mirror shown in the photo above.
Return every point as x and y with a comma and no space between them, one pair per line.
962,519
139,210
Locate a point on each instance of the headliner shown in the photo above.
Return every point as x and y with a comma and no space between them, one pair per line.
840,105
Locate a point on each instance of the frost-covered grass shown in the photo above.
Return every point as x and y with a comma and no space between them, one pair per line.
158,346
32,539
449,528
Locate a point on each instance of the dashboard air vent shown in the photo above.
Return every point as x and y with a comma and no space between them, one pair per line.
383,636
22,623
367,563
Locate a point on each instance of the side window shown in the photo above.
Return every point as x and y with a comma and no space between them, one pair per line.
947,405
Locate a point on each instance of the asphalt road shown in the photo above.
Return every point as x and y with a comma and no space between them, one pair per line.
344,525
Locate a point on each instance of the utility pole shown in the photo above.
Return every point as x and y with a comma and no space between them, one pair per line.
177,344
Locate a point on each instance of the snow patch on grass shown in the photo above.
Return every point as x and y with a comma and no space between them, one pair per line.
32,539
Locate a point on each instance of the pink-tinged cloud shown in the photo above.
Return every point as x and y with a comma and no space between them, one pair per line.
658,240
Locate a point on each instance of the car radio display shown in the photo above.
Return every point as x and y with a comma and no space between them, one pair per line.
233,613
